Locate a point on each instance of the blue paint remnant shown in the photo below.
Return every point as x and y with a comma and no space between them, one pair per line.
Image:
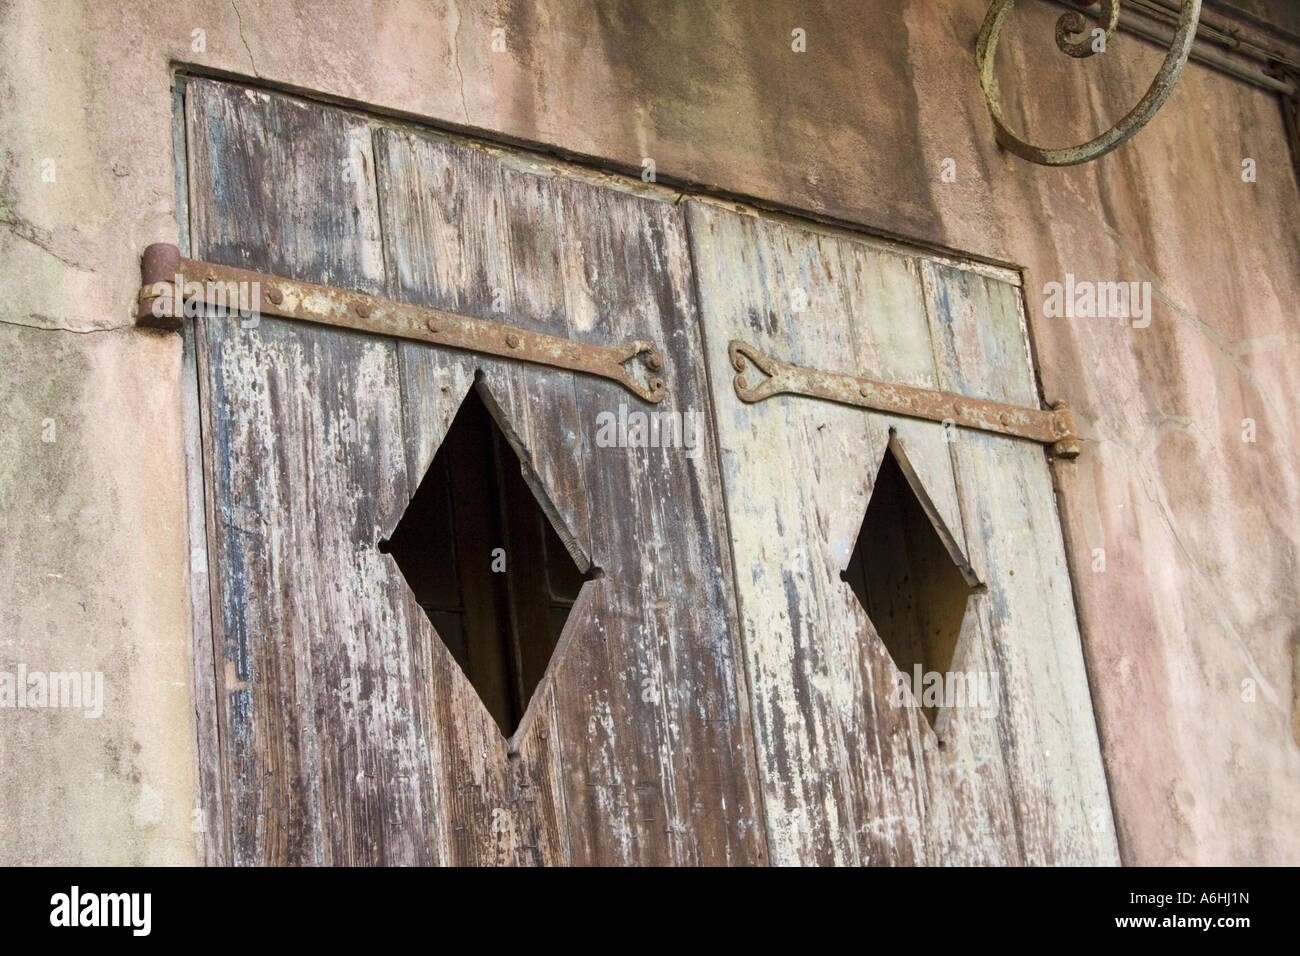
216,147
776,520
234,605
240,709
792,604
942,305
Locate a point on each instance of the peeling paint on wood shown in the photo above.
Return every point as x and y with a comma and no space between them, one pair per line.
694,712
846,777
351,735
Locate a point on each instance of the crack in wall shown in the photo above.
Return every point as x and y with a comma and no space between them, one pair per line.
455,52
29,232
59,328
244,41
1152,486
1229,348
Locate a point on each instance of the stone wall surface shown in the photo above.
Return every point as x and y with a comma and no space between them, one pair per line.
1199,528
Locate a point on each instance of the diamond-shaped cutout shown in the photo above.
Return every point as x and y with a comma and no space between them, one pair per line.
910,575
486,564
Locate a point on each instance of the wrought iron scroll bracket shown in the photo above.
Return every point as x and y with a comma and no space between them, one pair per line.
1053,427
161,305
1070,26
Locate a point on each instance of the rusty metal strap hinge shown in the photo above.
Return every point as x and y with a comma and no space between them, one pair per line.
1054,428
171,281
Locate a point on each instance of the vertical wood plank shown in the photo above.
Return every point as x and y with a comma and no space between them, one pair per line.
1050,734
663,771
214,812
323,757
446,226
797,476
970,815
643,729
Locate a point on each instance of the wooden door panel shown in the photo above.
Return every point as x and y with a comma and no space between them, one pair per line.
352,736
838,786
847,777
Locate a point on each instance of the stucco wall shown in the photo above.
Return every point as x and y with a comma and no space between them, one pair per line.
1199,527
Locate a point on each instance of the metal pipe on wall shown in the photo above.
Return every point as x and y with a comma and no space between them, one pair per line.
1202,52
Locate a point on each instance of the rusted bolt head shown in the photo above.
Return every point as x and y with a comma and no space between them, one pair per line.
433,325
512,340
864,391
361,309
1004,418
653,360
275,296
740,382
956,409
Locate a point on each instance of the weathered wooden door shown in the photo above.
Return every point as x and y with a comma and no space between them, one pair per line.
692,712
852,771
346,731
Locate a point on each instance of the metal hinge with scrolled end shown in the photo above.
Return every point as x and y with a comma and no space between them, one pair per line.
171,281
1053,427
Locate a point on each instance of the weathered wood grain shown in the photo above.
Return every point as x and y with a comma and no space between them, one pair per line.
1049,733
846,776
969,809
323,754
211,824
797,476
446,229
642,725
349,734
694,712
213,820
668,667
